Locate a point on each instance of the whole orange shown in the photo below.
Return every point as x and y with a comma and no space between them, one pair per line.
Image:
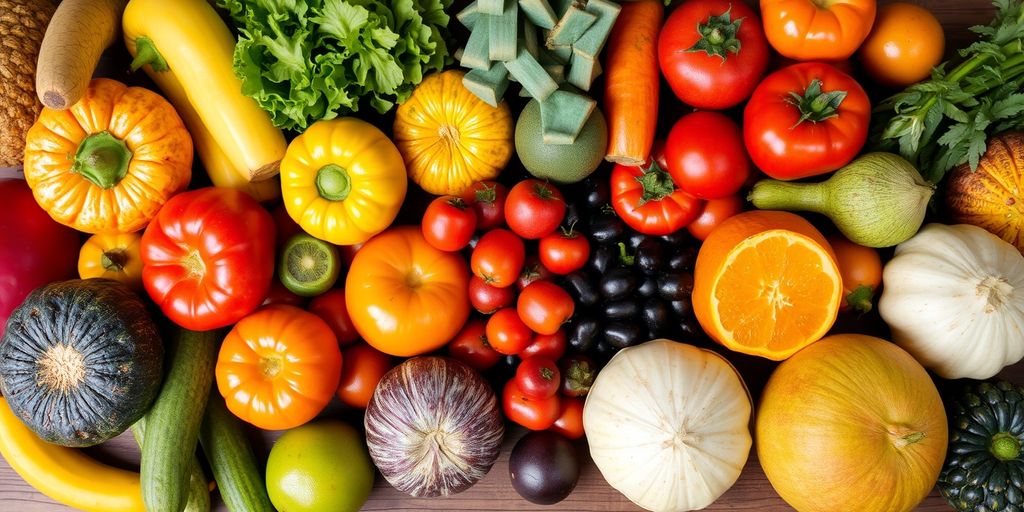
904,45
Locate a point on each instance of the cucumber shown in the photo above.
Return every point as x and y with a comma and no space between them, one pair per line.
198,490
172,425
239,479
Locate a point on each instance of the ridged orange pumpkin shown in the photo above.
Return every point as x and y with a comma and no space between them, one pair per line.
449,138
991,196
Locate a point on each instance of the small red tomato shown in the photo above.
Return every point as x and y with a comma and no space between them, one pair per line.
471,347
715,211
286,226
551,346
486,298
578,374
507,333
706,156
488,200
348,253
534,208
278,294
498,257
363,368
449,223
538,377
544,307
564,251
532,413
570,418
533,270
331,307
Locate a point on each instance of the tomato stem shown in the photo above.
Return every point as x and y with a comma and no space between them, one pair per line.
458,202
816,105
718,36
114,260
102,159
656,183
860,298
488,194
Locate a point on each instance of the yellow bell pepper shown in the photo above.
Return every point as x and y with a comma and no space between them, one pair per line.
187,49
343,181
114,256
108,164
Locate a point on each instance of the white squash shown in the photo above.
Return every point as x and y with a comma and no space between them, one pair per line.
954,298
668,425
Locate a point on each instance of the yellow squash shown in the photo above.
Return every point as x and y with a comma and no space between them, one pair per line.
108,164
343,181
187,50
449,137
112,256
66,475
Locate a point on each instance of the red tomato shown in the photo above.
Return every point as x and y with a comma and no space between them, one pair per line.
532,413
705,155
538,377
34,249
715,211
713,52
449,223
470,346
201,243
331,307
507,333
364,367
486,298
804,120
533,270
570,418
551,346
278,294
648,200
348,253
488,200
498,257
534,208
564,251
544,307
286,226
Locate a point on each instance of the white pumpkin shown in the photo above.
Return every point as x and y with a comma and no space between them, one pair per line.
668,425
954,298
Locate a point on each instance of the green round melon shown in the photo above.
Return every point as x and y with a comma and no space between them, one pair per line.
560,163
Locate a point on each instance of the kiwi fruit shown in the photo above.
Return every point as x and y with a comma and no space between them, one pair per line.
308,266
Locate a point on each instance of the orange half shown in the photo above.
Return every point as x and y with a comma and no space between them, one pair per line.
766,283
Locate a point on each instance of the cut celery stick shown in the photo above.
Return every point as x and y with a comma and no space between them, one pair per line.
573,24
560,6
531,75
592,41
563,115
503,34
556,72
539,12
492,7
469,15
476,54
528,38
488,85
582,71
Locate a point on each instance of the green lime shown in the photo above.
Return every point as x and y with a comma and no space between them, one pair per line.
308,266
319,467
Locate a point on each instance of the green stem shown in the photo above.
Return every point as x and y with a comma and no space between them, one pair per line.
146,53
102,159
333,182
781,195
114,260
1004,446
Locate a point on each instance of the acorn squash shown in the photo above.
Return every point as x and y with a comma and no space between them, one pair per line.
991,197
80,361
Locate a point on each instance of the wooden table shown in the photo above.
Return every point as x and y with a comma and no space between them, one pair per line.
751,492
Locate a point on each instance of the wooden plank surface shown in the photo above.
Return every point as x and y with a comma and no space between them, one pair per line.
751,492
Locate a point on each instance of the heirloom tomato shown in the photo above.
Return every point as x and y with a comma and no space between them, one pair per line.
331,307
816,29
648,200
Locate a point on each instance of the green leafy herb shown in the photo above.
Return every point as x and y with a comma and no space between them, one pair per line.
944,121
305,60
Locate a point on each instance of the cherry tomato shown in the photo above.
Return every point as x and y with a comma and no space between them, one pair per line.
578,374
278,294
449,223
470,346
706,156
533,270
488,200
498,258
564,251
551,346
364,366
544,307
507,333
331,307
715,211
538,377
648,200
486,298
532,413
905,43
570,418
534,208
861,270
286,226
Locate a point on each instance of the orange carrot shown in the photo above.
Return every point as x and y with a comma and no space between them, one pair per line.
631,82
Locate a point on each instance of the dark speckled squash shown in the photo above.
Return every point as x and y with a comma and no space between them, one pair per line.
80,361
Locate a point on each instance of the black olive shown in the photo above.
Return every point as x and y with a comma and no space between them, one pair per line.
598,193
604,351
650,256
649,287
544,467
622,309
581,287
689,327
656,315
677,239
622,335
675,286
582,334
683,308
683,259
572,215
606,228
634,240
618,283
604,257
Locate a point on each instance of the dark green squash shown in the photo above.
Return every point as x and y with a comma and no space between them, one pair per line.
984,468
80,361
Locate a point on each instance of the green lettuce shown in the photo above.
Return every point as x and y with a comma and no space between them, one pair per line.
306,60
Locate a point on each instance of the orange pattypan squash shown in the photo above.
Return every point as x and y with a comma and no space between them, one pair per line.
108,164
449,138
